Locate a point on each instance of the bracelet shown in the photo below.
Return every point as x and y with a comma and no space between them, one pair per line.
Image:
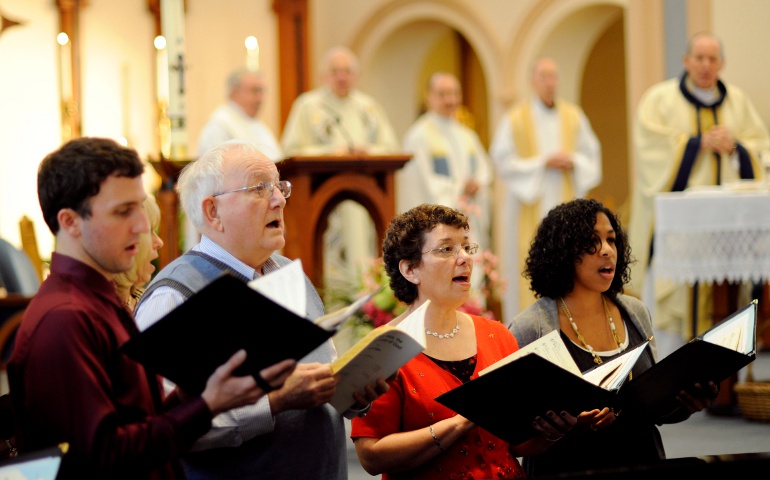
12,452
435,439
554,438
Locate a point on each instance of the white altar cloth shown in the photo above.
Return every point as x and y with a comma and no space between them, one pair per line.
711,235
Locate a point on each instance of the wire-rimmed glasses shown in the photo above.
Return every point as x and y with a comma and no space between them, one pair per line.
448,251
264,189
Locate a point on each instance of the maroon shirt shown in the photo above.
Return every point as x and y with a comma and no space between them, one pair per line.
70,383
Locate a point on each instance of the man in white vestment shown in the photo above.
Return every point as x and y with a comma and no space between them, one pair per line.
545,153
338,119
238,117
689,131
449,166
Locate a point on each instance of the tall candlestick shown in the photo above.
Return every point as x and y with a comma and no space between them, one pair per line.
67,93
172,24
161,93
65,67
252,53
161,68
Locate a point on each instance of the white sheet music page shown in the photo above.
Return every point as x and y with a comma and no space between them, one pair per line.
549,346
737,333
414,324
611,374
285,286
332,320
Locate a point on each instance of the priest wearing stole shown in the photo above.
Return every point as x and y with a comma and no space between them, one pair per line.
449,165
690,131
545,153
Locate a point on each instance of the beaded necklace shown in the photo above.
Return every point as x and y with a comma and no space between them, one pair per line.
441,336
597,358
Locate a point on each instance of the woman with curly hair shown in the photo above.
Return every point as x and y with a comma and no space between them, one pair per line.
407,433
578,265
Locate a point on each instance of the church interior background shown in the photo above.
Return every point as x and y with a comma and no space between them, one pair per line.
106,82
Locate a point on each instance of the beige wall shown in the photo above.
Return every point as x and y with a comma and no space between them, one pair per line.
390,35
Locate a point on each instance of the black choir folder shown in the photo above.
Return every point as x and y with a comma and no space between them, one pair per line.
227,315
544,377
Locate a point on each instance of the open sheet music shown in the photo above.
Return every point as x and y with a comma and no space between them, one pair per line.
266,317
718,353
551,381
378,355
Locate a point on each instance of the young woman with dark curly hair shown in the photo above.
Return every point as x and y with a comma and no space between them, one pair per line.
407,433
578,264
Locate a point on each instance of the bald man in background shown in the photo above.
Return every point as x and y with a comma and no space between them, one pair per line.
545,153
449,165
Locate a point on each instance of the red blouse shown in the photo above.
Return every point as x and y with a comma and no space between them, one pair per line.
410,405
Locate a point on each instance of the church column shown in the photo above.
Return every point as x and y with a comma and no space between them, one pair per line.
293,52
69,50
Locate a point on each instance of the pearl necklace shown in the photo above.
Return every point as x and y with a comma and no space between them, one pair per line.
446,335
597,358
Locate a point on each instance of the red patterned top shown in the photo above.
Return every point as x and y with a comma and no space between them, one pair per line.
410,405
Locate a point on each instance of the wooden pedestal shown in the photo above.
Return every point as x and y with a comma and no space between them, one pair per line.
168,202
319,184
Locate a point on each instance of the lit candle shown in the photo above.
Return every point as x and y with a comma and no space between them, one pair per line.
65,67
252,53
161,68
172,19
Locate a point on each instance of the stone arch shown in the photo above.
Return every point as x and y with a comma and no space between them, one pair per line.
563,30
382,55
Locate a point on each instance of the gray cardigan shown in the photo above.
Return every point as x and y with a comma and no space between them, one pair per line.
542,317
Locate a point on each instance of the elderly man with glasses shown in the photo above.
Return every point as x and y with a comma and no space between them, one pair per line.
235,198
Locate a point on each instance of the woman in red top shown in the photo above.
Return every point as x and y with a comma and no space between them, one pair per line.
407,434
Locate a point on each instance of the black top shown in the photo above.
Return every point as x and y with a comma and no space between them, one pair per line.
462,369
624,443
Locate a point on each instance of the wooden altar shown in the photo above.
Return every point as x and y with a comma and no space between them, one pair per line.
320,183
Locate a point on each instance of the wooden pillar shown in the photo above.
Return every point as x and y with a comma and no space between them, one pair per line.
292,52
69,23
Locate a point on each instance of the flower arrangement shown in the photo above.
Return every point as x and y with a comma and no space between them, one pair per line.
384,306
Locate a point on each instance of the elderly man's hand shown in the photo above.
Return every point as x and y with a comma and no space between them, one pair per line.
309,385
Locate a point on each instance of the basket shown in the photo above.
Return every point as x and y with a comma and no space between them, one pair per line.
754,398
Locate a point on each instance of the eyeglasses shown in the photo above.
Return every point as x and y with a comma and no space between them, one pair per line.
264,189
452,251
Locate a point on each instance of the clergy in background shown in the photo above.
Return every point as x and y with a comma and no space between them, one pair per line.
449,166
689,131
239,116
339,119
545,153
